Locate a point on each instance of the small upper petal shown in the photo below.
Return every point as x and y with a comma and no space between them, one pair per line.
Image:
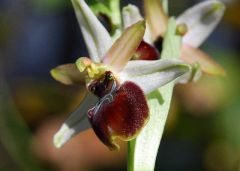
131,15
97,38
124,47
201,20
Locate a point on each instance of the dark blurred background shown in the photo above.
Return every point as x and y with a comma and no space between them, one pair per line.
202,132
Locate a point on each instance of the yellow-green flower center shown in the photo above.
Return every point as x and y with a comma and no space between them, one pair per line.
93,70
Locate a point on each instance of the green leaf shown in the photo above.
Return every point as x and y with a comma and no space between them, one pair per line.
15,136
143,150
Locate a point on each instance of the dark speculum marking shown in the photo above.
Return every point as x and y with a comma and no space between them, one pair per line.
146,51
158,43
103,85
121,113
106,21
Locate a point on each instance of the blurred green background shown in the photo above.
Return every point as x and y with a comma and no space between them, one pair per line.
202,132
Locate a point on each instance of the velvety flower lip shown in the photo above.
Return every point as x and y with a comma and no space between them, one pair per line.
121,113
146,51
117,100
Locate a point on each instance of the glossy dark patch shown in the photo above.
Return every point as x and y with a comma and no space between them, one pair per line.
103,85
106,21
122,113
158,43
146,51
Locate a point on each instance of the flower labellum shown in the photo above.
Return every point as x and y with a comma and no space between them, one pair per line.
121,112
145,51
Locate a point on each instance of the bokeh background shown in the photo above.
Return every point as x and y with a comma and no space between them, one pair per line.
202,131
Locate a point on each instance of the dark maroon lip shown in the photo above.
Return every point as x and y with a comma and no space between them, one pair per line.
121,112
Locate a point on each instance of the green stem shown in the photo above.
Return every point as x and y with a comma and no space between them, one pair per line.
131,148
142,152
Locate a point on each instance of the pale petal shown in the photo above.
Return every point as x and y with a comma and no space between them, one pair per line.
201,20
131,15
150,75
124,48
68,74
156,18
97,38
76,123
195,55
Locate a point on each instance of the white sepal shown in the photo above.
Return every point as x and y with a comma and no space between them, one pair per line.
150,75
96,37
76,123
201,20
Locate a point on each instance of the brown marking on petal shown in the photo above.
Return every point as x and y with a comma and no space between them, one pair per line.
146,51
120,114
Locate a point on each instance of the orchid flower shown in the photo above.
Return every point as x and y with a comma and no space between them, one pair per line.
115,103
195,24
